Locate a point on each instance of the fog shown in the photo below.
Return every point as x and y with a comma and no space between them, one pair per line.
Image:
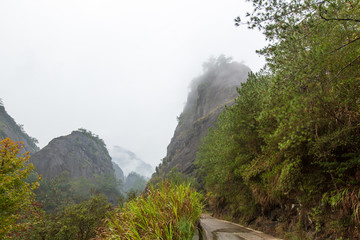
118,68
129,162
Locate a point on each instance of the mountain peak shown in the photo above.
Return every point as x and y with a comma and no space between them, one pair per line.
81,153
208,96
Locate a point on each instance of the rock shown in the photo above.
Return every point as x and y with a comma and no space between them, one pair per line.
81,153
209,95
119,174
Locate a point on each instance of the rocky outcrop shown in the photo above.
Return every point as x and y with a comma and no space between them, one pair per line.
10,129
119,174
81,153
209,95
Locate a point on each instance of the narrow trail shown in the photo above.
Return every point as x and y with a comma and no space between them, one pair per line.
216,229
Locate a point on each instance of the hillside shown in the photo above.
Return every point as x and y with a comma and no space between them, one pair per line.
9,128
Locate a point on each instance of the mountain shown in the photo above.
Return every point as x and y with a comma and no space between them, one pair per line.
81,153
119,174
135,182
208,96
129,162
9,128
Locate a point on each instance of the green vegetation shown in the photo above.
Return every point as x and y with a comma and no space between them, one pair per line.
292,140
59,192
75,221
66,208
16,195
174,177
93,136
134,182
168,212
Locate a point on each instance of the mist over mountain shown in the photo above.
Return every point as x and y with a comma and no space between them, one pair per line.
129,162
209,94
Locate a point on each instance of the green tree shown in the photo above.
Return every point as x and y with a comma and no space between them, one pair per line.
292,138
75,221
16,194
313,58
226,155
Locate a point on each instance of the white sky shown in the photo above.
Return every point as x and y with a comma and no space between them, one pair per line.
118,68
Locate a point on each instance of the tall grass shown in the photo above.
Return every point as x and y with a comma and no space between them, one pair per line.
168,212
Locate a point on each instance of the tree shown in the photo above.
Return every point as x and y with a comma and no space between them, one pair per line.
294,139
75,221
16,194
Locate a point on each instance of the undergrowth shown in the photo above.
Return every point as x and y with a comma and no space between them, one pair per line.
166,212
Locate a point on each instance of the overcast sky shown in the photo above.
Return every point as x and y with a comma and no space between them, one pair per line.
118,68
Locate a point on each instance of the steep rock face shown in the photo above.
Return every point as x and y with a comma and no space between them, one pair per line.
9,128
209,95
119,174
81,153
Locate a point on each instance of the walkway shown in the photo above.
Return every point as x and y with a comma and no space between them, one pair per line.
216,229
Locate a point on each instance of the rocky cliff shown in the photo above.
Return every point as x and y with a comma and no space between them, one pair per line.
209,95
119,174
81,153
9,128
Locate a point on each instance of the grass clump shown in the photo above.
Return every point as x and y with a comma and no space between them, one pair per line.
166,212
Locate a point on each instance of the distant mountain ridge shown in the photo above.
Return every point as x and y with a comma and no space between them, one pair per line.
129,162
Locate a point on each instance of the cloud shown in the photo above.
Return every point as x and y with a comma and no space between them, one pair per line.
129,162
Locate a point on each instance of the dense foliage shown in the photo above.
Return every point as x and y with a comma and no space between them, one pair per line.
291,141
62,208
66,208
16,194
134,182
56,193
167,212
75,221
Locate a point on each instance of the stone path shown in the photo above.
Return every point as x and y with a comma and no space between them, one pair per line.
216,229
